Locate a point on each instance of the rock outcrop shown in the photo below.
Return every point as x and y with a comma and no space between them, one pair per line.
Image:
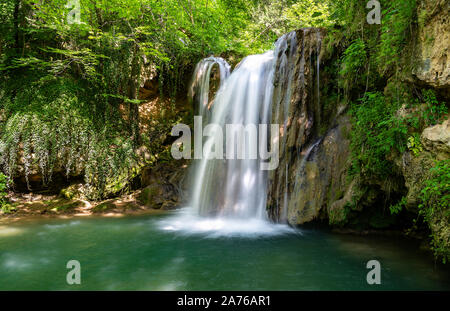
416,168
436,139
312,180
314,146
433,45
165,186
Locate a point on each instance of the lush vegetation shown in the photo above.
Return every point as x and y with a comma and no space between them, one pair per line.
389,115
4,206
70,76
378,131
435,209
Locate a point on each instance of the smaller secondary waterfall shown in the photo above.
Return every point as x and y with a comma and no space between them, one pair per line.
201,81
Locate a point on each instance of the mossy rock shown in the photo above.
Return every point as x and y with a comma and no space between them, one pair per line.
71,192
104,207
38,206
57,205
8,209
338,214
64,205
152,196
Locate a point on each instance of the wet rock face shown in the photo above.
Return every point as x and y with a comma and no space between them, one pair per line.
433,50
324,176
417,169
314,150
165,186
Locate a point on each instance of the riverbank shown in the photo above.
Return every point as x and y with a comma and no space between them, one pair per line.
37,206
32,206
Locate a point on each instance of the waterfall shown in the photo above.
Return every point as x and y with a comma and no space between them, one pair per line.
237,187
200,84
281,86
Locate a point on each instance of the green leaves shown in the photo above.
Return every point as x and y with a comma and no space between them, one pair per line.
4,206
414,144
377,132
353,62
397,19
397,208
435,207
434,110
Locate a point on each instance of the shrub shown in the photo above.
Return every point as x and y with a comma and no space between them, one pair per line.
352,63
434,110
398,17
54,125
4,206
435,197
377,132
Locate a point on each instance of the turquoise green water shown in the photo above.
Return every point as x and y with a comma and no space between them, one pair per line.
142,253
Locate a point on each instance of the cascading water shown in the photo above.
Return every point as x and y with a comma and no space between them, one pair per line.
237,187
231,195
200,83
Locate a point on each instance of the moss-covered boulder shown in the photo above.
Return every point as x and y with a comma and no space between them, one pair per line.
152,196
74,191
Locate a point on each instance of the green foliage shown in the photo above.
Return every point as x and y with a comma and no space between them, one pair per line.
5,207
398,16
377,132
397,208
414,144
52,126
3,187
172,35
374,52
435,197
271,19
353,62
434,110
